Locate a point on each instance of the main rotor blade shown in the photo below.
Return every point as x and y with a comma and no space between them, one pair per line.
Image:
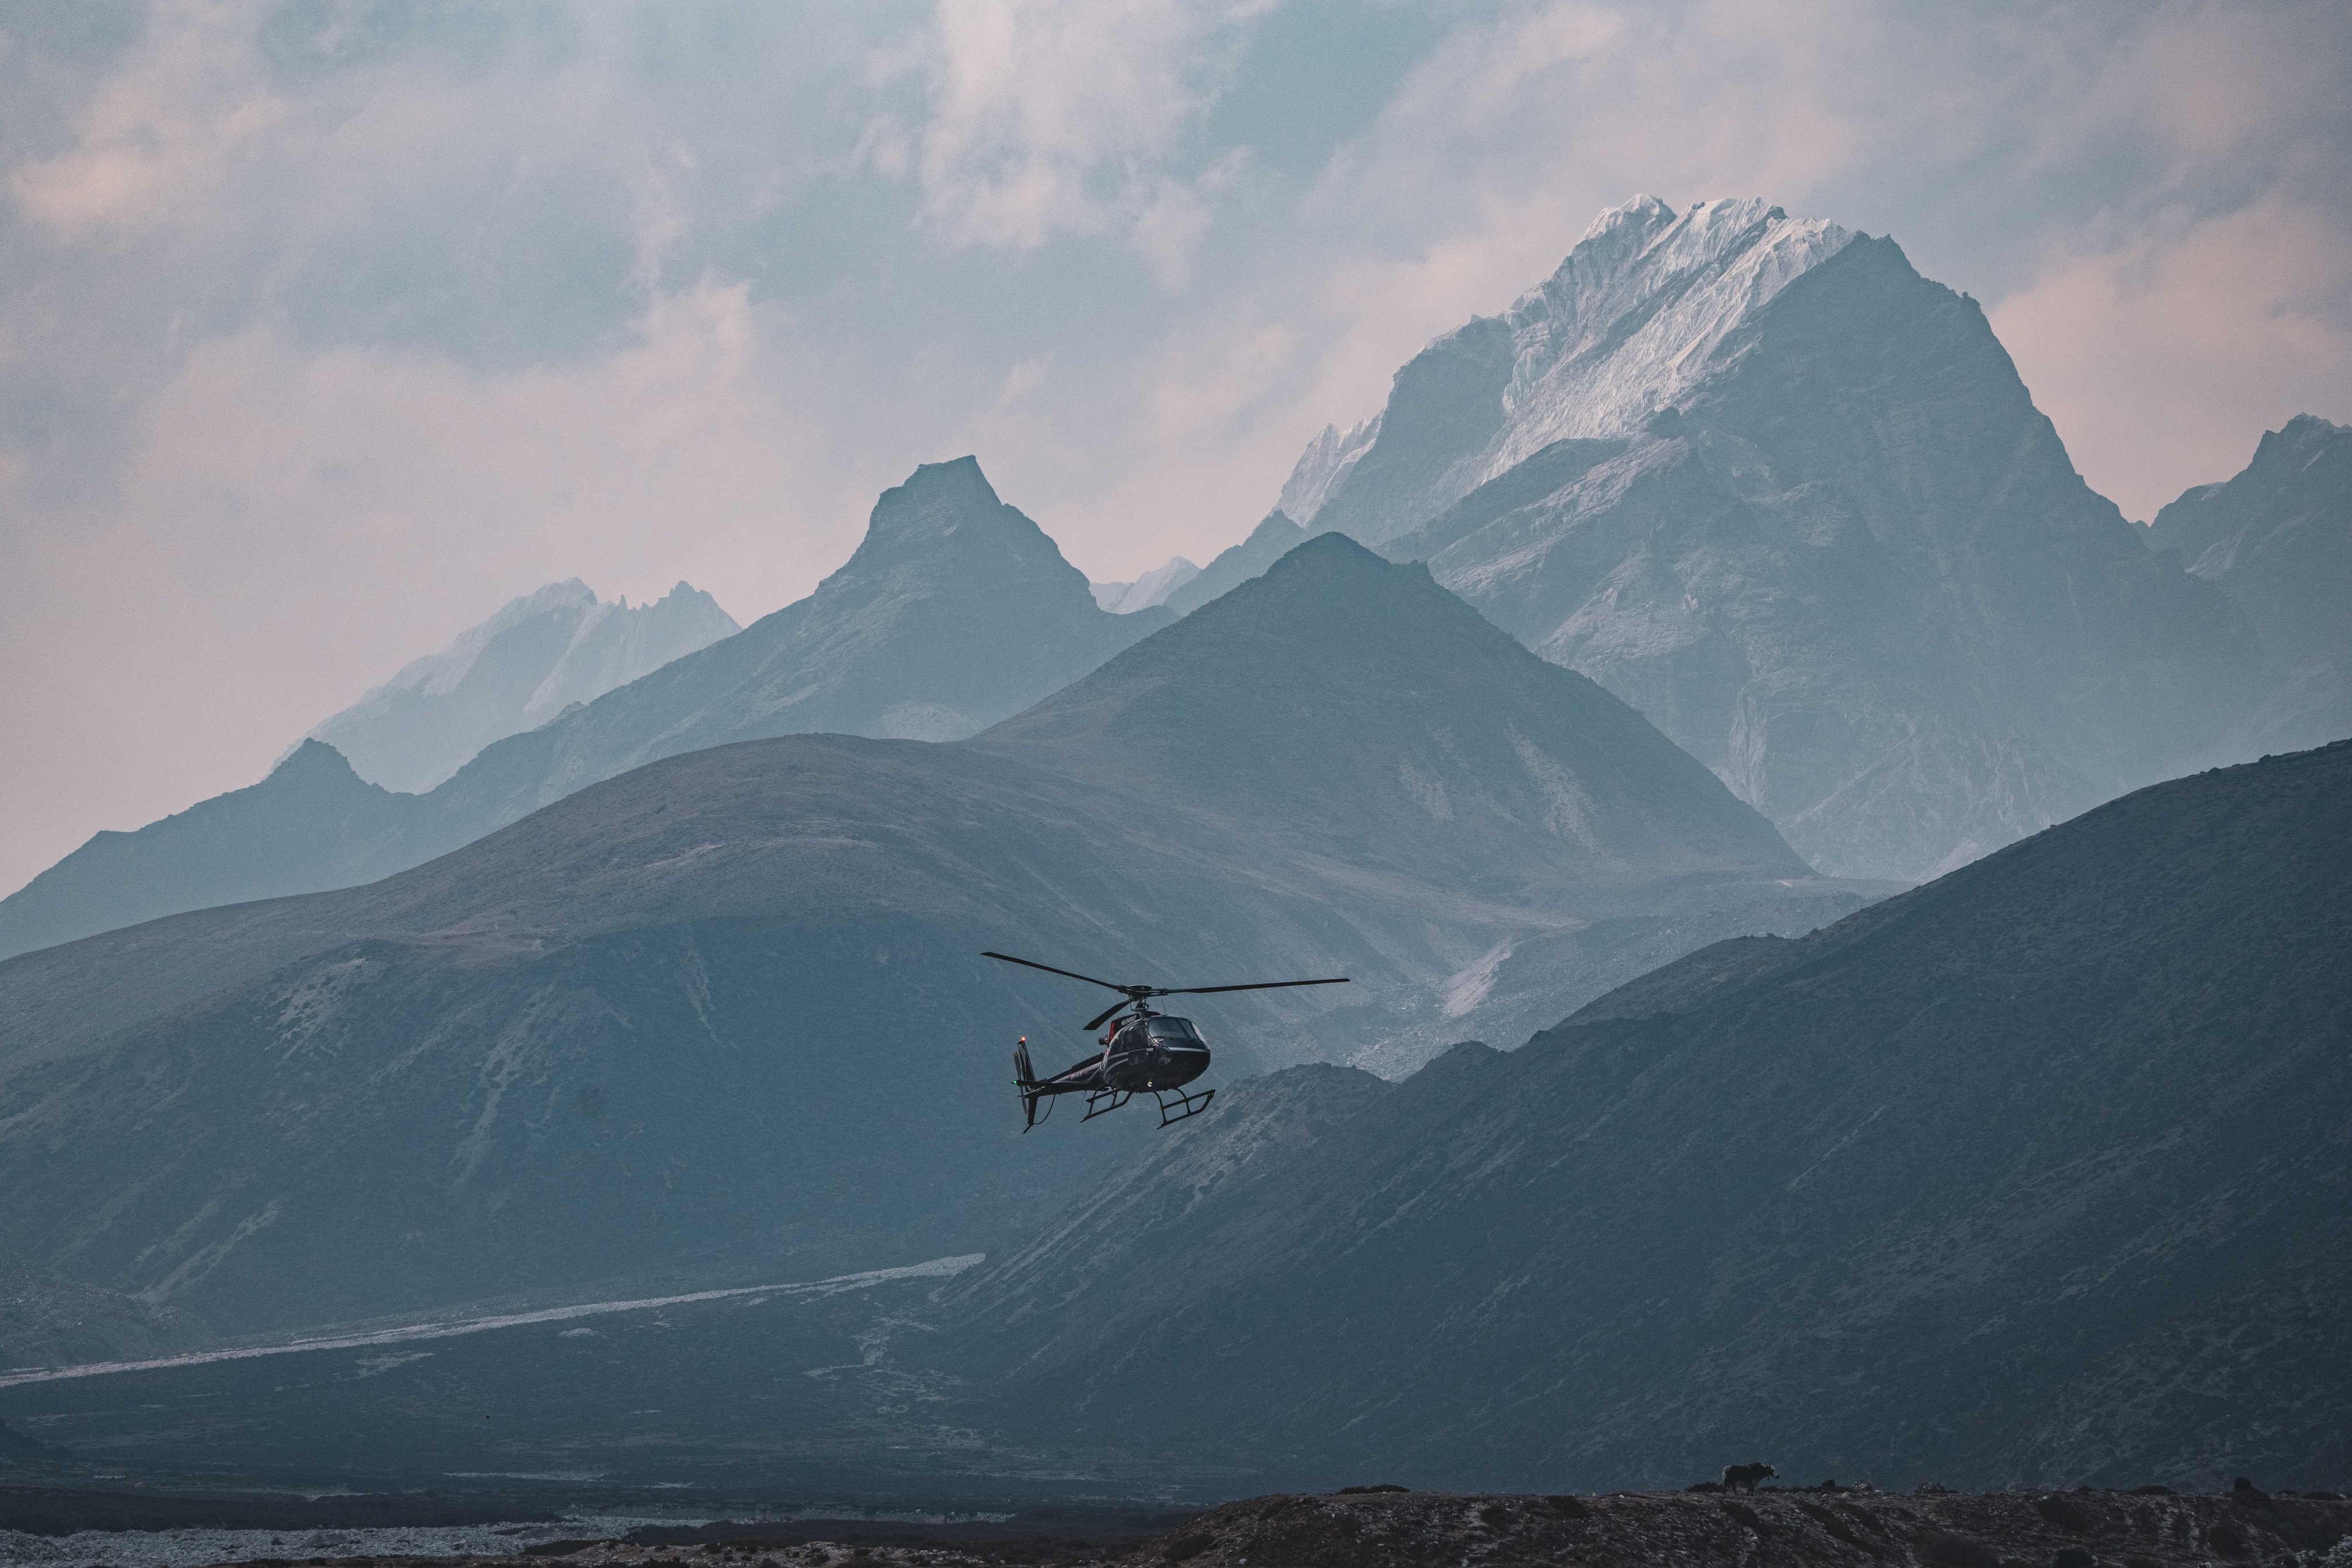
1257,986
1098,1021
1008,958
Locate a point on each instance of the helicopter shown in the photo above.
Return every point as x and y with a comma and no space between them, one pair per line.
1145,1052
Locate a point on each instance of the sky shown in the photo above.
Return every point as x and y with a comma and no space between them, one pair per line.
326,327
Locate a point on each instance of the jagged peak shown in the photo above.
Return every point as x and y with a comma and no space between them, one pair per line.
1634,252
1643,212
1637,315
942,513
1276,525
2300,440
932,503
958,480
1323,465
314,759
570,591
2312,424
684,594
1631,320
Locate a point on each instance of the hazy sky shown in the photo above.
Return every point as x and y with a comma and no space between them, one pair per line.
327,328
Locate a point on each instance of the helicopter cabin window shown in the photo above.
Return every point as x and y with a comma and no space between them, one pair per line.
1174,1030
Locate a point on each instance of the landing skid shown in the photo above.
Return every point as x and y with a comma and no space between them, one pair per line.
1175,1105
1187,1105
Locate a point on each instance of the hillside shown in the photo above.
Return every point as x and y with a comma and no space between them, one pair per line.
1758,478
727,1012
2036,1173
312,825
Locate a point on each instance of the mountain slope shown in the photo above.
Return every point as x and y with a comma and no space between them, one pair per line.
2277,540
1761,479
1323,467
2035,1174
955,611
1274,537
312,824
514,671
1368,749
726,1013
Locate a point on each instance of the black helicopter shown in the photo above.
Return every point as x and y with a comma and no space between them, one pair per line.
1143,1053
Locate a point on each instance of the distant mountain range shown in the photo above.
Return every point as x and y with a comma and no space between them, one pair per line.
1152,588
954,612
1752,473
1760,479
514,671
727,1012
2277,540
1184,587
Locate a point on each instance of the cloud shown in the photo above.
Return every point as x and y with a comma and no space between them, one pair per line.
326,326
2163,357
158,142
297,524
1063,117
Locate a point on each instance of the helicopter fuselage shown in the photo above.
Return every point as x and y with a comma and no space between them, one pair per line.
1154,1053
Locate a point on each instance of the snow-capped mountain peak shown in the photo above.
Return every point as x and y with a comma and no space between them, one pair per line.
1323,467
1646,307
538,655
1638,313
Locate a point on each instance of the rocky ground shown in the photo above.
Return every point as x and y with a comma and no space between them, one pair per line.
2154,1528
1386,1527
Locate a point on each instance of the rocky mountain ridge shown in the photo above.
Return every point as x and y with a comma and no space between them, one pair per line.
514,671
2277,540
1761,479
955,611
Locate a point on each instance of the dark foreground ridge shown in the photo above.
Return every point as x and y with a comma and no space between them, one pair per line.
1385,1527
1762,1529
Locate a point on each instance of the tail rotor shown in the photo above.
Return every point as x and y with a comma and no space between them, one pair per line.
1025,1081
